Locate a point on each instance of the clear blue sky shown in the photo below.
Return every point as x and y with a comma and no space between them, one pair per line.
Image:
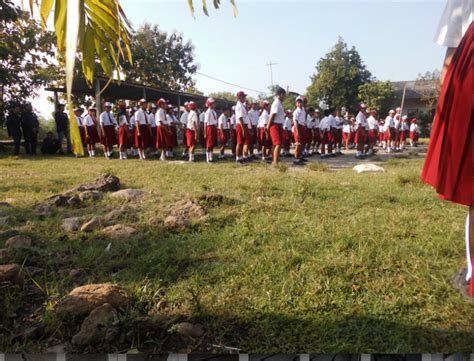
394,38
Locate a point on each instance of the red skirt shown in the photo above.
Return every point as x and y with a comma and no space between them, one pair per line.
174,136
264,138
326,136
360,136
276,135
190,138
449,161
286,135
373,136
108,137
390,134
211,136
316,135
224,136
143,140
381,137
162,137
337,136
247,140
299,134
308,135
92,135
414,136
82,132
346,136
352,137
124,136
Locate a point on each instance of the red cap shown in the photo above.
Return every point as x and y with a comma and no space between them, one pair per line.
160,101
240,94
192,105
265,104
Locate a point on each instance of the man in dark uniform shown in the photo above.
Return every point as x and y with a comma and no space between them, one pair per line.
62,127
50,144
13,124
30,126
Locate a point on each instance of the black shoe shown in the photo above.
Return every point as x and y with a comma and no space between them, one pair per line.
298,162
303,160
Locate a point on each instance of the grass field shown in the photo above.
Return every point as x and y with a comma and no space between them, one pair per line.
293,260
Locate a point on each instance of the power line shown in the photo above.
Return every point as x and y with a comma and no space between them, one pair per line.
231,84
271,69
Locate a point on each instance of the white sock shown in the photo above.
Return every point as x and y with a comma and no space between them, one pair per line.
211,156
163,155
468,253
358,153
120,155
190,157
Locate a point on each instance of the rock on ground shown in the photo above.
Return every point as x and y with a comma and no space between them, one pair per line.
3,254
119,231
178,223
128,194
84,299
70,224
5,221
91,225
43,210
11,273
111,218
189,330
8,233
90,196
155,221
365,168
18,241
105,183
94,326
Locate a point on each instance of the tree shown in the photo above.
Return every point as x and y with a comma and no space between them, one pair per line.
160,59
224,95
378,94
429,85
338,77
26,55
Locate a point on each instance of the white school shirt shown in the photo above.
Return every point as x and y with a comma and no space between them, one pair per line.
254,118
107,118
456,18
160,117
184,118
277,108
316,123
192,118
396,121
202,116
340,122
210,118
142,117
373,123
88,121
389,123
309,122
381,128
263,119
122,119
169,119
241,112
133,122
361,120
223,122
346,128
287,124
325,124
331,121
299,115
404,127
151,120
80,121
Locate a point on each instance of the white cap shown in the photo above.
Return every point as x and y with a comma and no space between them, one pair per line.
405,117
107,104
362,105
142,101
391,111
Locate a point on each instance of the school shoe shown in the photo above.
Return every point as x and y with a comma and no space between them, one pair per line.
303,159
240,162
360,156
298,162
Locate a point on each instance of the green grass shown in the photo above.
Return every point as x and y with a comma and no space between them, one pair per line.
294,260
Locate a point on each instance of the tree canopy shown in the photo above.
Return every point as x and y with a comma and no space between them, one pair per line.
429,86
338,76
380,95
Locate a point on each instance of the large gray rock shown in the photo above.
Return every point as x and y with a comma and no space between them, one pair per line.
18,241
112,217
91,225
71,224
84,299
90,196
94,326
119,231
128,194
11,273
105,183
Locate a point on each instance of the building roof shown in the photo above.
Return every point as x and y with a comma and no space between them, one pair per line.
134,91
411,93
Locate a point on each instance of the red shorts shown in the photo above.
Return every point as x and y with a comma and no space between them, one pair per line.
276,134
163,137
390,134
299,134
124,136
108,138
352,137
346,136
286,135
332,136
190,138
224,136
92,135
403,135
241,140
143,140
316,135
338,135
381,137
360,136
373,135
253,135
414,136
325,137
211,136
264,139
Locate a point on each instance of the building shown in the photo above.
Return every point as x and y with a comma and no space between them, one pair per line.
413,102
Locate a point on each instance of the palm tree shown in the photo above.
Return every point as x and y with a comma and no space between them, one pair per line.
90,29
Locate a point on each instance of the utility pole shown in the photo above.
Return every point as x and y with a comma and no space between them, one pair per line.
270,64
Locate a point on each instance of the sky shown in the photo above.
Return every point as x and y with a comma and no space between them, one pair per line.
394,38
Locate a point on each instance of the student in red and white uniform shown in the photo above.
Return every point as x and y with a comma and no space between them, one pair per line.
325,131
108,124
353,132
202,115
299,125
264,141
171,121
404,132
133,151
183,121
90,129
333,132
361,131
381,141
143,135
223,123
310,114
80,123
151,111
414,133
123,133
448,168
233,132
244,138
397,121
192,129
346,135
275,124
287,133
316,139
390,131
338,133
163,132
210,128
254,117
373,134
